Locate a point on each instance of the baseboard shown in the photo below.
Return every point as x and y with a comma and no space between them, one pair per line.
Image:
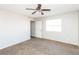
11,44
61,42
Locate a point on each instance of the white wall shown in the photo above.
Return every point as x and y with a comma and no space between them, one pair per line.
78,28
14,28
69,27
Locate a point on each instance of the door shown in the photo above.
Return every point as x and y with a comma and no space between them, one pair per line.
38,29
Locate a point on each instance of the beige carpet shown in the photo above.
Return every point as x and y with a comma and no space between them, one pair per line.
36,46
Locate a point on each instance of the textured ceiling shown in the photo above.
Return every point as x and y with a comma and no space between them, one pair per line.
55,9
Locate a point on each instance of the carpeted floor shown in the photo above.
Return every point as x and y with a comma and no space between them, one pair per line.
37,46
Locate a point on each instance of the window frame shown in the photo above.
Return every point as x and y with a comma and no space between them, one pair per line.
60,25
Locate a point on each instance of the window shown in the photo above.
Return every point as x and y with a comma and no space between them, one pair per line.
54,25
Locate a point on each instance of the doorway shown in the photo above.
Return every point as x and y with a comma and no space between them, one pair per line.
36,29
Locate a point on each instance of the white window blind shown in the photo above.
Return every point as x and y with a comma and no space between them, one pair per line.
54,25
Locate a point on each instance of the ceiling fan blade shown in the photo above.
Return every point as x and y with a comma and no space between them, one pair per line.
42,13
34,12
30,9
46,9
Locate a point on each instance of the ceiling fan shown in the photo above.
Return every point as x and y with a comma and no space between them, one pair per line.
38,9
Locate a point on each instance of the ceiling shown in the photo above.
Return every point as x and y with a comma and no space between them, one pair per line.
55,9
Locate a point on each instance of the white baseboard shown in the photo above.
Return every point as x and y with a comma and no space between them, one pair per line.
60,41
13,43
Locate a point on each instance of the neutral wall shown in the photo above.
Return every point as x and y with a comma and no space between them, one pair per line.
78,28
69,32
14,28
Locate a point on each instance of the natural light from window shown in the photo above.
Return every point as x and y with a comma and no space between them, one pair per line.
54,25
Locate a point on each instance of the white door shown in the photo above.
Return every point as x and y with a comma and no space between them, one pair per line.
38,29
